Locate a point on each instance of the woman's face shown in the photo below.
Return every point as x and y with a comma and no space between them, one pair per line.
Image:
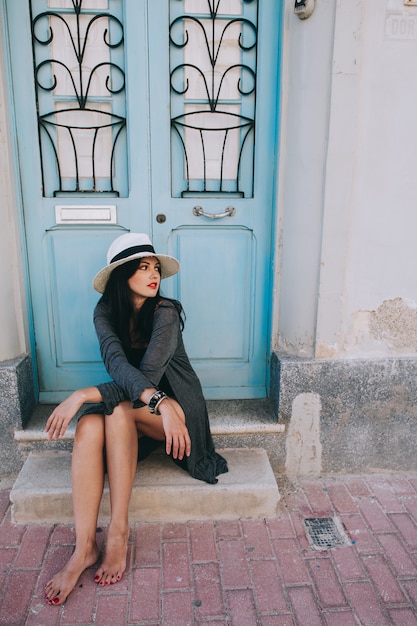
144,283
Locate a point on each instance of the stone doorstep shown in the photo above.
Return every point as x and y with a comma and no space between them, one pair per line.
162,491
227,417
247,428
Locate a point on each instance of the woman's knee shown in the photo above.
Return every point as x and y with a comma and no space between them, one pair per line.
90,429
122,411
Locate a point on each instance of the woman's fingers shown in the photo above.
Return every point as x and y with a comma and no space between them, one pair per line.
59,419
56,426
168,444
187,444
179,444
177,438
173,444
184,446
181,448
51,425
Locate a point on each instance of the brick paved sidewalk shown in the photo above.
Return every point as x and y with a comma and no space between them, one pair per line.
239,572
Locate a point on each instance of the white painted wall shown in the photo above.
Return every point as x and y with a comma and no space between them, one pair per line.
348,183
305,94
381,286
13,308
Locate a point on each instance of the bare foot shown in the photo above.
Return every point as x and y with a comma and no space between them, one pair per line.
60,586
114,562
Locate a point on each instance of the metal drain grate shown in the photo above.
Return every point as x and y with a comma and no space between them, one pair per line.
324,533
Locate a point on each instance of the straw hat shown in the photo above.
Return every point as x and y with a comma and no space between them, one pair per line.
128,247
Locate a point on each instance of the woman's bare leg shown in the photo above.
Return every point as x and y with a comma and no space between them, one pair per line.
121,440
87,490
121,436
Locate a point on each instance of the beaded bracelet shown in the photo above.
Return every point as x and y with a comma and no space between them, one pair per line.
155,400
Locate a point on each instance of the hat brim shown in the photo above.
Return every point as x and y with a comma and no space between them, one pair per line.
169,267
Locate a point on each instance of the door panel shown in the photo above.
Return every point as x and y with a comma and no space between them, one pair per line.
131,157
70,302
220,325
221,277
71,220
226,261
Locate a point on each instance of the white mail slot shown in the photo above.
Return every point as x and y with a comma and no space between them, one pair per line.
85,214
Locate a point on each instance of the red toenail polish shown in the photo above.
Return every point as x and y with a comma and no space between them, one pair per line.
55,600
96,579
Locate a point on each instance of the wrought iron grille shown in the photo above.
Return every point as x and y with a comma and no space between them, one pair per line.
213,57
80,93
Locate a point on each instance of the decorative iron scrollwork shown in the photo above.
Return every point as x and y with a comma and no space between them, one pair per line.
214,102
78,123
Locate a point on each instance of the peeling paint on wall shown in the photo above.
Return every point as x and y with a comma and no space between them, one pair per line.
390,329
395,323
325,351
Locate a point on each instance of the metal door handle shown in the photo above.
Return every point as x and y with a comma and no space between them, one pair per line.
199,211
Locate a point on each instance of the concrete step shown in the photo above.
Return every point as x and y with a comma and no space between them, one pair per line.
162,491
227,417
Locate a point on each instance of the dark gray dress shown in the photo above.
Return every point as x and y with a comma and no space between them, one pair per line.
164,365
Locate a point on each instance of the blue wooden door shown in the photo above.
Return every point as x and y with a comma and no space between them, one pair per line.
157,117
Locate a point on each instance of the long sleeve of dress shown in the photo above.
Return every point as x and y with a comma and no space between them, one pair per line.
128,382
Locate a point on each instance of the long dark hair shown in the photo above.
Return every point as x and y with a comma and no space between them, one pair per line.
117,296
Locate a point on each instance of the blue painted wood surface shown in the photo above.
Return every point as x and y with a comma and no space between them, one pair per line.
226,277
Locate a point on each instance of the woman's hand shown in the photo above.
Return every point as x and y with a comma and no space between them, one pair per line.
59,419
176,432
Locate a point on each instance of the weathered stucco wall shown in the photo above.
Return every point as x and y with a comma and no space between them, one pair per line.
381,289
13,316
345,326
348,188
17,391
307,51
347,415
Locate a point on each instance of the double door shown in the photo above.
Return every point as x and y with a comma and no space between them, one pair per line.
156,117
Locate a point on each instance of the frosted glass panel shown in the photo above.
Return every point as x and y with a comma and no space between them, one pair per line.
196,56
213,95
202,6
80,89
96,55
87,4
212,149
86,141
